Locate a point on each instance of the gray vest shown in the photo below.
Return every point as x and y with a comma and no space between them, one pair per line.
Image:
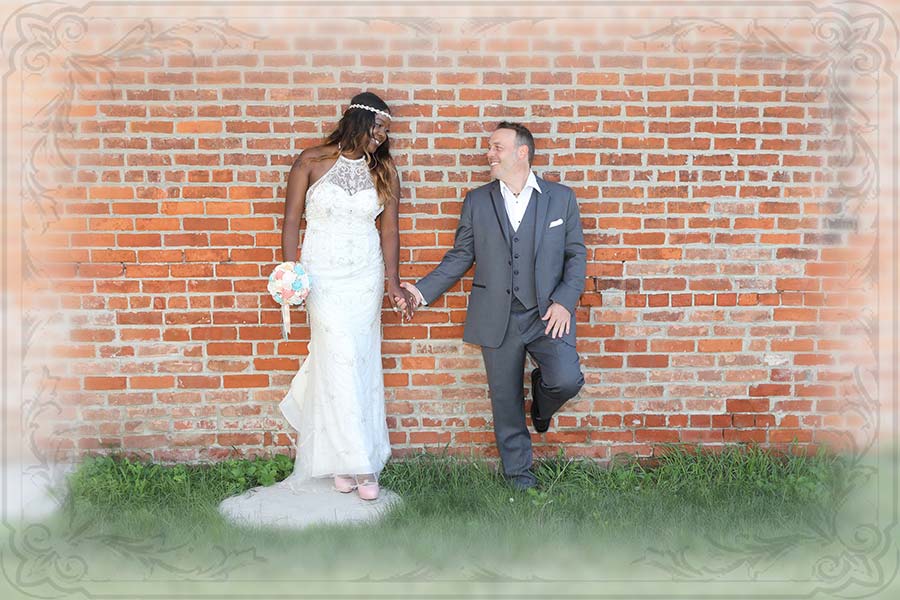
521,243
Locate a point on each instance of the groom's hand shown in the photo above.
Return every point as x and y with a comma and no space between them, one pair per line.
417,298
558,320
410,302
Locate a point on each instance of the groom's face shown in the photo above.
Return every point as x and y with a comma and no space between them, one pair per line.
504,156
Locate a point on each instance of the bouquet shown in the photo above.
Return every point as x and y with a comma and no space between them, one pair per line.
289,286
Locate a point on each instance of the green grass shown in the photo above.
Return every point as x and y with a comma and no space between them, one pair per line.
579,508
704,521
121,490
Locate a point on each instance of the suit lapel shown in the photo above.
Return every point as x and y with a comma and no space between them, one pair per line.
540,215
500,210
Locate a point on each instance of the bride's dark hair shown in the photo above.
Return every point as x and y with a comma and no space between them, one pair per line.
352,135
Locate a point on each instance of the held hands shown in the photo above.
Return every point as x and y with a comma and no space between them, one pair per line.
558,320
401,300
414,293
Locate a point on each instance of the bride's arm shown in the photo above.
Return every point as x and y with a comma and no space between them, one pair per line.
390,247
295,198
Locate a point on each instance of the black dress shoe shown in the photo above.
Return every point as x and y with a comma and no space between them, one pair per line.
540,425
522,483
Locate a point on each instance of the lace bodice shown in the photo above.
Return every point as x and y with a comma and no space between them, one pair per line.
351,175
343,196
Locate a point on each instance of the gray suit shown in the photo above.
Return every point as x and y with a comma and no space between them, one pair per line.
500,323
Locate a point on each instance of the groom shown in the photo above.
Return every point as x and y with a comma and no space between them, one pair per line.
524,235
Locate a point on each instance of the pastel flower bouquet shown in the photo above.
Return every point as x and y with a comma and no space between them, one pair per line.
289,286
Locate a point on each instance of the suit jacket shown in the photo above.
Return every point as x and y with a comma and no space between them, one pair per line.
482,237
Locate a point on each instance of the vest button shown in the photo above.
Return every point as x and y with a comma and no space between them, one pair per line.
515,239
516,288
515,272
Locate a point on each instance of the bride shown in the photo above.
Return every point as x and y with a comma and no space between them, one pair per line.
336,399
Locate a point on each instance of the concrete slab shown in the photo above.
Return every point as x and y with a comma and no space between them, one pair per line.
297,505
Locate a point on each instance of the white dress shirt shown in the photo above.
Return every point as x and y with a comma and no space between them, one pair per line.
517,204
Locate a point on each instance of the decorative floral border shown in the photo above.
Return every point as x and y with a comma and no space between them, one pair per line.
43,563
864,559
860,561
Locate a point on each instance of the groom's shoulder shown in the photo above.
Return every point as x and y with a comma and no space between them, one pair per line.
482,190
553,186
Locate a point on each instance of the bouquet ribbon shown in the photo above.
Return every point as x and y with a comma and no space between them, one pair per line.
285,321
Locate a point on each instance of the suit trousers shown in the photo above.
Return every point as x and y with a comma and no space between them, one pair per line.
561,379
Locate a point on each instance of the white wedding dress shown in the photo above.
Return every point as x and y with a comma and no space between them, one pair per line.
336,399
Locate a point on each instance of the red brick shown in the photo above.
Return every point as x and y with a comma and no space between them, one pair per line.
770,389
239,439
245,381
747,436
738,405
702,435
790,435
104,383
154,382
429,437
648,361
144,441
199,382
720,345
625,345
657,435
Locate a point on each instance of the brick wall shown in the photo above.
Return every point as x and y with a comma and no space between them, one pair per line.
723,245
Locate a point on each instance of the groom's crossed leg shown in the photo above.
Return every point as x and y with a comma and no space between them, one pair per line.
561,380
560,375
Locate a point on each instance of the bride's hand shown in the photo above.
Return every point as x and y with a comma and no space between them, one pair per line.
411,303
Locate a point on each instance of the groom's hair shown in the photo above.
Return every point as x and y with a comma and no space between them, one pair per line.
523,137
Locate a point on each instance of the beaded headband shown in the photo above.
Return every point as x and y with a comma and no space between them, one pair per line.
372,109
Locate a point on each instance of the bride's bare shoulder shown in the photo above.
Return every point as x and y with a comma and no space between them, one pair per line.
315,161
317,153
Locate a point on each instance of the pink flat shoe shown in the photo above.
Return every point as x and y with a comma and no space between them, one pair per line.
344,484
367,490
